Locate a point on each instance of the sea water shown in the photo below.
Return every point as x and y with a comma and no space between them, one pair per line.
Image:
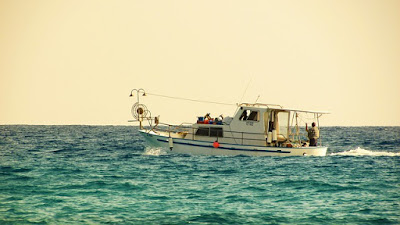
109,175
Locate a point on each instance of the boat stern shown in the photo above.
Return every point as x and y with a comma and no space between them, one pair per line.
315,151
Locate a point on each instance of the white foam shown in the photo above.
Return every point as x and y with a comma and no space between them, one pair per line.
362,152
154,151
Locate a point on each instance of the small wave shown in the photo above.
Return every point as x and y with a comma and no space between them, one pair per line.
363,152
155,151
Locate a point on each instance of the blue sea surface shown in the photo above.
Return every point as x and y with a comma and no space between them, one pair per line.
109,175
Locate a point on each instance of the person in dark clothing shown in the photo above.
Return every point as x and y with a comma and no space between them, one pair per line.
313,134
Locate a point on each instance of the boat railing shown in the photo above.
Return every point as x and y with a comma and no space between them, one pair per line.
261,105
239,137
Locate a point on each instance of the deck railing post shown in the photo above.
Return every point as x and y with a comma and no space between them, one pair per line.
319,128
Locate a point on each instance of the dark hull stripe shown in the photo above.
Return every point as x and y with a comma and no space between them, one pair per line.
225,148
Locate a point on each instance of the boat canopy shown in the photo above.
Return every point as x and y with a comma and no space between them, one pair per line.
280,108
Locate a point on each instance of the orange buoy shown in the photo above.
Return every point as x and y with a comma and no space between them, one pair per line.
216,144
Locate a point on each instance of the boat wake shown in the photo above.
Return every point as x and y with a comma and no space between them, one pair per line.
155,151
362,152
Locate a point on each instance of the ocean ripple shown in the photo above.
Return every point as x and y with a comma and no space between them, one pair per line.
109,175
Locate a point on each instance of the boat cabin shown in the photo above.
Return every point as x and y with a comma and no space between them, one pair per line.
253,124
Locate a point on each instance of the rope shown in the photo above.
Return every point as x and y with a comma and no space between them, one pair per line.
187,99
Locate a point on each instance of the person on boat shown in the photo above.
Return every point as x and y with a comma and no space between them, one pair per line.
313,134
207,116
243,116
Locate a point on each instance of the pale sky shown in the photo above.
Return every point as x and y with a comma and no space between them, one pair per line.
75,62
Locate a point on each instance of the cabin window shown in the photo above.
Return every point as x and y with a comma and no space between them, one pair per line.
209,132
283,124
249,115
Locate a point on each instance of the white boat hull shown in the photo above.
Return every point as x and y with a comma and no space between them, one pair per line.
196,147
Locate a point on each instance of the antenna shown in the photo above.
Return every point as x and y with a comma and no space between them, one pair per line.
257,99
245,90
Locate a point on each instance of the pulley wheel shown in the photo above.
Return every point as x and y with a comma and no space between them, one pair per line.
139,110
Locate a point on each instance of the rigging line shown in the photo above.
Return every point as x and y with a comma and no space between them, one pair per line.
187,99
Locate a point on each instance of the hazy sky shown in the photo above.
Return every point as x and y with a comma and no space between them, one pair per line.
75,62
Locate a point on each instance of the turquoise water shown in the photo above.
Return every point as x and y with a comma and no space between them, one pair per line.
108,175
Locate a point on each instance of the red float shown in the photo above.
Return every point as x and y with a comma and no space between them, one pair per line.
216,144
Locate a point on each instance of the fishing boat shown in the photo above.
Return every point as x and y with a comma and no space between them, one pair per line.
256,129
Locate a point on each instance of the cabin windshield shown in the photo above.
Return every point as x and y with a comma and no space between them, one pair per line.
249,115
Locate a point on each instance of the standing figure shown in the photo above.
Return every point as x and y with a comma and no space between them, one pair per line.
313,134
